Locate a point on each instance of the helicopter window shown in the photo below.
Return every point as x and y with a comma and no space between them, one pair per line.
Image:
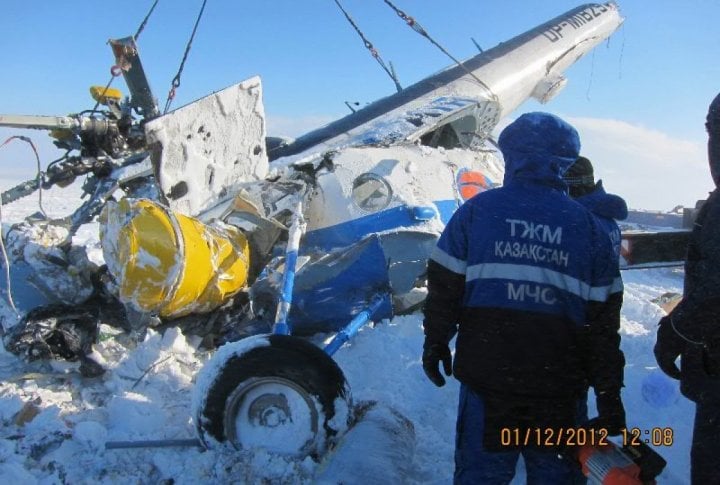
456,134
371,192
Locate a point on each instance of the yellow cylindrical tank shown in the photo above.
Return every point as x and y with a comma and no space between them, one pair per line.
171,264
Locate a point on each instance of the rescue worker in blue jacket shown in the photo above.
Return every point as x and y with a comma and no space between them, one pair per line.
608,208
527,279
692,330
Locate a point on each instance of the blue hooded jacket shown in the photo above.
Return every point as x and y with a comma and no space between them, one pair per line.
608,208
515,271
538,147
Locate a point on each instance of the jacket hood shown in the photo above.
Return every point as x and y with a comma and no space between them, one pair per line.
713,129
538,147
606,205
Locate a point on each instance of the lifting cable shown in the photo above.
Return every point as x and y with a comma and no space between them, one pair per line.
371,48
176,79
142,24
115,70
6,261
39,171
420,30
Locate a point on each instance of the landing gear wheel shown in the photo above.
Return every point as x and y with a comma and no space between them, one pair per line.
278,392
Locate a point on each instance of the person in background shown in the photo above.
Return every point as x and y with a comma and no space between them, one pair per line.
528,280
608,208
692,329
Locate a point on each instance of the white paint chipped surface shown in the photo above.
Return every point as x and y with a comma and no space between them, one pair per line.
211,146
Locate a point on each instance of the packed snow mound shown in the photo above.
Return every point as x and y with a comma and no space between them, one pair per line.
56,423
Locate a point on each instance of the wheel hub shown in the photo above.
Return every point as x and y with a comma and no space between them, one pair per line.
270,410
273,413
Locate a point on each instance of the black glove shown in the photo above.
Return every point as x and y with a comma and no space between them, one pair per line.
611,413
668,347
433,354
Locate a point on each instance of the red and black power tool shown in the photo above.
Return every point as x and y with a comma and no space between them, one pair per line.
610,464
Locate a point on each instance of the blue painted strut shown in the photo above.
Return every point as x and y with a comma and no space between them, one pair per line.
351,329
297,227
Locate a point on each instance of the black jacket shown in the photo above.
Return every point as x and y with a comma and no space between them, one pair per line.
697,317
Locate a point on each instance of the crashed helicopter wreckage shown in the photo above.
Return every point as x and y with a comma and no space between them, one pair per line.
271,239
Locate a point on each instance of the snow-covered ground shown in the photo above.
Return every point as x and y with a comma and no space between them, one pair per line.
55,423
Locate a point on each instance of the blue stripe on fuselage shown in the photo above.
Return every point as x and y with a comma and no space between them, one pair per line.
352,231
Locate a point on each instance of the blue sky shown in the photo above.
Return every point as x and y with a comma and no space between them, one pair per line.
638,101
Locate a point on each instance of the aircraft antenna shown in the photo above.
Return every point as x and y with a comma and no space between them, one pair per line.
350,105
420,30
371,48
477,45
176,79
115,70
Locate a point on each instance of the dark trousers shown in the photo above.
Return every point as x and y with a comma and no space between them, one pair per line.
474,464
704,455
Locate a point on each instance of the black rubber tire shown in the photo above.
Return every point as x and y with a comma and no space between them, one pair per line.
293,359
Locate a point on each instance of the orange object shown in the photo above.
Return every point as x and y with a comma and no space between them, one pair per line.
606,464
471,182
